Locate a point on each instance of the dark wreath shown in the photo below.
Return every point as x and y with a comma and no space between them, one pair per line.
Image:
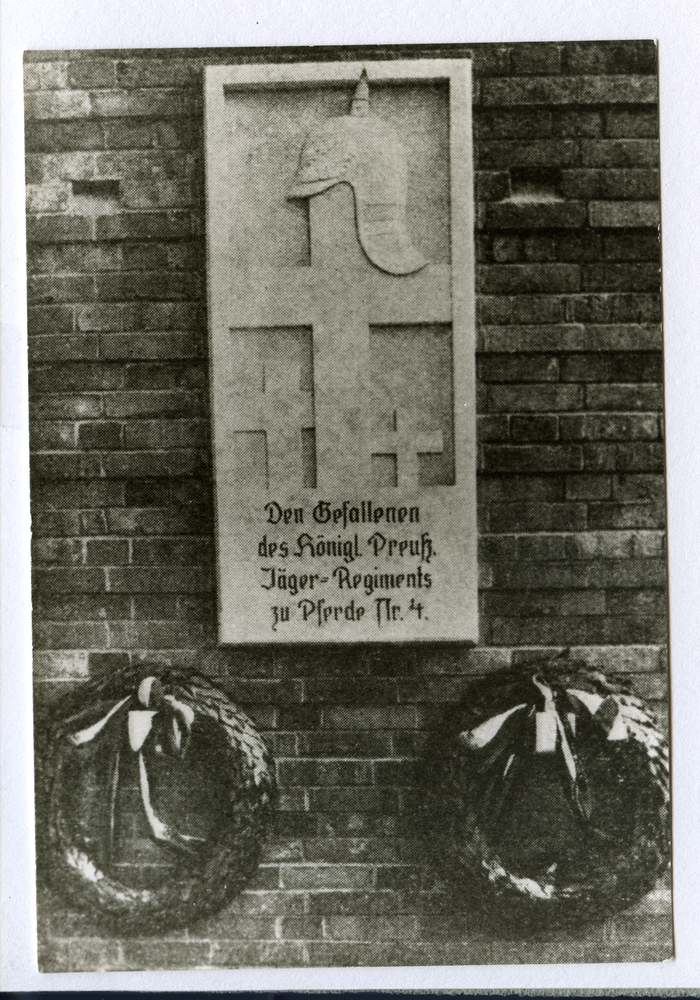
554,796
153,726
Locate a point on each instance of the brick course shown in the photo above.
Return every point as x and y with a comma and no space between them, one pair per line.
571,549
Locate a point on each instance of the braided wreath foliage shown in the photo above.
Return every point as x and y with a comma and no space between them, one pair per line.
571,740
153,724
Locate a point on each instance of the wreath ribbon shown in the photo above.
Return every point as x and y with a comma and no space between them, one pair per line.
160,713
552,731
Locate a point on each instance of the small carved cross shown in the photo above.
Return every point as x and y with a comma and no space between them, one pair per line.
407,444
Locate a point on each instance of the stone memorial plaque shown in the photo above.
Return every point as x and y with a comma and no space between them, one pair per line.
341,312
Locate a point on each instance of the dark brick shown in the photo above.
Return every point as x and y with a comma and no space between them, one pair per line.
614,308
610,57
533,339
587,487
57,551
493,309
102,434
56,523
143,225
162,316
161,579
581,631
544,603
63,136
494,154
84,607
165,403
501,123
489,60
624,398
581,183
632,123
533,458
359,799
160,103
618,90
492,428
510,517
534,398
131,134
613,516
57,348
125,134
172,552
137,955
69,496
633,488
611,573
528,90
75,377
504,488
491,185
88,73
167,346
542,215
64,465
579,246
157,73
627,277
60,580
50,319
509,368
543,58
534,428
154,607
536,309
154,521
57,228
630,186
636,456
634,245
626,602
624,337
344,744
51,435
613,427
575,122
161,635
48,289
65,406
326,877
620,153
165,375
517,279
138,464
107,552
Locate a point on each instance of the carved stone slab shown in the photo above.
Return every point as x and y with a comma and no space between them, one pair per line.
341,314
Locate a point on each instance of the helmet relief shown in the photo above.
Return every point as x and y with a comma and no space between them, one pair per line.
363,151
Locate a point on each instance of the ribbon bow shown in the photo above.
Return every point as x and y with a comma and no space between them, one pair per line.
172,720
552,732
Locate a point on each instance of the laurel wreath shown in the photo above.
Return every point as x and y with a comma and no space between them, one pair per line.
211,871
605,746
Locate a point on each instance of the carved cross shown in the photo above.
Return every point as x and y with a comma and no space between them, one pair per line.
340,295
270,392
407,444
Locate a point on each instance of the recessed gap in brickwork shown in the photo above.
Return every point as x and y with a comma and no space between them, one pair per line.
95,197
534,184
97,189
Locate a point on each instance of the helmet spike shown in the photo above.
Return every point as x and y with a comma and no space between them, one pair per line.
360,100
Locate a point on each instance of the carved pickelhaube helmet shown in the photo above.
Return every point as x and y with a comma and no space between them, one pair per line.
363,151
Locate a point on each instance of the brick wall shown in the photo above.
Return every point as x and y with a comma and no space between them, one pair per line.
569,399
